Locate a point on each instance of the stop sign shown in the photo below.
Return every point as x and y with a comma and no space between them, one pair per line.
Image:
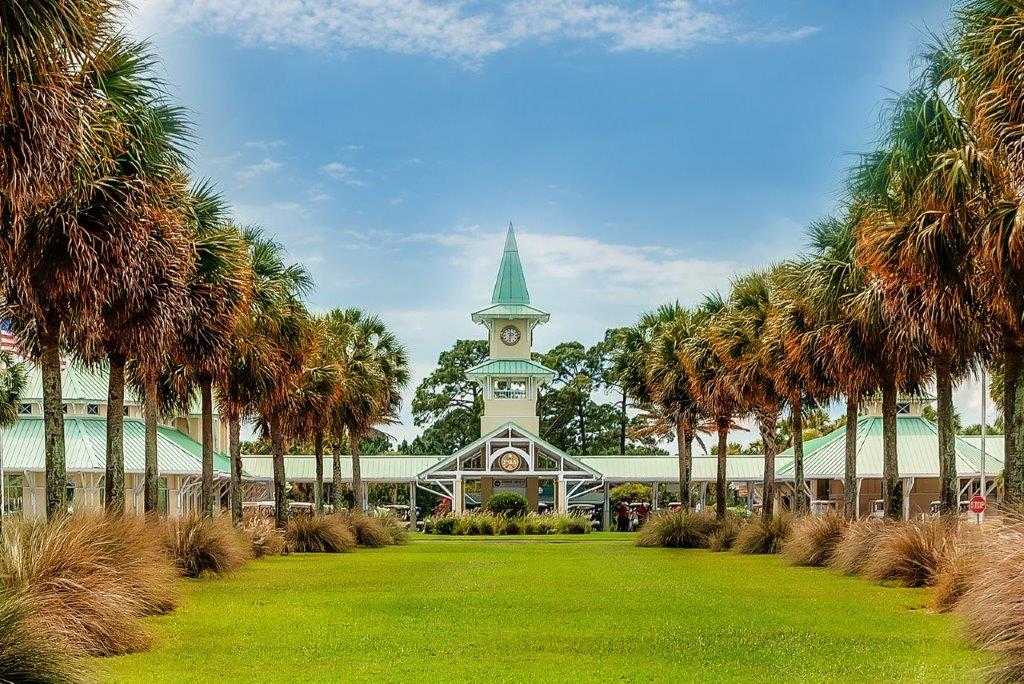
977,504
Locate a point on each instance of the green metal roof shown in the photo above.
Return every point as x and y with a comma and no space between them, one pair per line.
516,367
917,447
85,442
741,468
78,383
383,468
510,311
510,285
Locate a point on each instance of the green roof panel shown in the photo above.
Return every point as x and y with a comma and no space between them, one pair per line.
510,285
516,367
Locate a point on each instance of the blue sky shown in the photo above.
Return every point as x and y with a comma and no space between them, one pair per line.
645,151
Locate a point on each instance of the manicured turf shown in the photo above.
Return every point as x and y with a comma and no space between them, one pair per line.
578,609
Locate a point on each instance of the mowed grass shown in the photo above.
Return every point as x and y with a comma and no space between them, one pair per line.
575,609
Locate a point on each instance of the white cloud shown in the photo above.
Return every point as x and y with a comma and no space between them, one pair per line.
252,171
340,171
264,144
465,31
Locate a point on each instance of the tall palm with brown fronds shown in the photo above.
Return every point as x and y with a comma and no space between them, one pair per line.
924,202
669,386
375,368
738,334
254,352
709,383
989,81
218,295
63,137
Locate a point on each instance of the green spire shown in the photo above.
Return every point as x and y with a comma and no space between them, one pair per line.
510,286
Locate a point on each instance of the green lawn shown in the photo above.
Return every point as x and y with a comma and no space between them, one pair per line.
576,609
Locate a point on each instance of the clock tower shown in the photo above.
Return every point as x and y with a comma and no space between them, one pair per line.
510,378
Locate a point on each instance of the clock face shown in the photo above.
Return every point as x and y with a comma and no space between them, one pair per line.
509,462
510,335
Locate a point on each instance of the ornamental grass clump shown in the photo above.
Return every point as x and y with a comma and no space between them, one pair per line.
397,530
263,538
814,539
858,544
910,553
200,545
760,536
369,530
958,567
574,524
724,535
86,579
682,529
319,534
28,653
993,602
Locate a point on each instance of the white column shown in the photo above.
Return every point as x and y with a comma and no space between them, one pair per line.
654,496
458,505
561,500
606,508
412,506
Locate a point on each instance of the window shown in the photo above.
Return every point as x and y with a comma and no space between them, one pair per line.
64,408
126,411
509,389
25,409
92,409
13,488
902,408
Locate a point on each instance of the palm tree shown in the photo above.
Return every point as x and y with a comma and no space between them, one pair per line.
317,391
669,387
738,336
375,367
12,383
146,296
218,293
989,80
917,240
253,352
62,143
709,383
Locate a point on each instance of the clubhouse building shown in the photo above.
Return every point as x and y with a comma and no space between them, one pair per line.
510,456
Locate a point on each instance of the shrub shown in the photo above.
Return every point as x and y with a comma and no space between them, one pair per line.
814,539
263,538
27,651
507,503
723,536
576,524
910,553
368,529
485,524
200,545
514,525
629,492
993,603
682,529
397,530
319,534
858,544
764,536
444,524
545,524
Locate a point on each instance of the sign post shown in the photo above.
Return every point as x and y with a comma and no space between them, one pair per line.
977,506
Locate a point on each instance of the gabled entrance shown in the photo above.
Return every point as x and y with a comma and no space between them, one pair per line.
509,458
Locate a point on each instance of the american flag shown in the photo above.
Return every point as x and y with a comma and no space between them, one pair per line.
8,342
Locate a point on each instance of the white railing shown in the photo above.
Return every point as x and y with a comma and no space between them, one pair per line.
509,394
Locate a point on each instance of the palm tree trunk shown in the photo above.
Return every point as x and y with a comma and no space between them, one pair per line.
850,471
206,389
113,482
235,454
151,484
1013,426
357,476
277,448
53,428
800,500
318,488
722,462
623,422
892,493
336,498
767,421
684,442
949,493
